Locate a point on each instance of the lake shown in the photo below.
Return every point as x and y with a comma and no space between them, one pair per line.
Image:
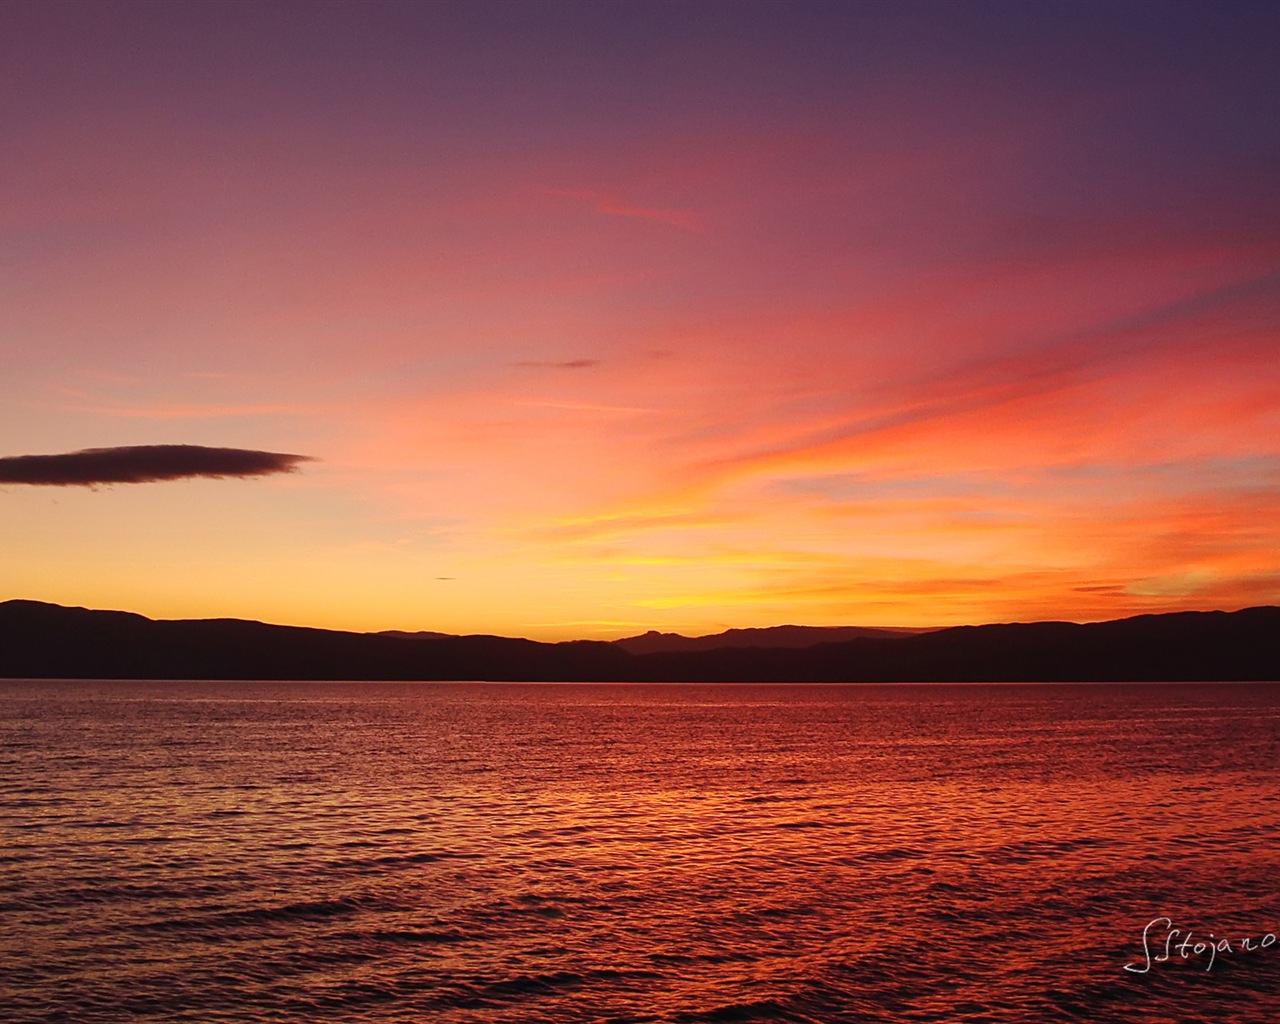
516,853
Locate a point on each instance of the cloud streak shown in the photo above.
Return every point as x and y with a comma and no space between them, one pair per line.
567,364
141,464
611,206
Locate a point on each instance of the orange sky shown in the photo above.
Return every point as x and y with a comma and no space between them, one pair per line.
603,318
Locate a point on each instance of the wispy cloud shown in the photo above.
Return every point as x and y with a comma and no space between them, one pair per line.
591,529
585,406
613,206
567,364
1054,395
143,464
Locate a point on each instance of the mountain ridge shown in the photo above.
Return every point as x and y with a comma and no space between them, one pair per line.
40,640
766,636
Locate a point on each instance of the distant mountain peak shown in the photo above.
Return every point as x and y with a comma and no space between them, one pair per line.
787,636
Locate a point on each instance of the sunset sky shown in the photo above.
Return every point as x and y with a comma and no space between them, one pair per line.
604,317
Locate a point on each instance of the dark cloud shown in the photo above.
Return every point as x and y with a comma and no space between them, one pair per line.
569,364
142,464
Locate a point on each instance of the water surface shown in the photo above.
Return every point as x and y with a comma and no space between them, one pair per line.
377,852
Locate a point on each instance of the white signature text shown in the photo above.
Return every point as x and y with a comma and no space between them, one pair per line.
1190,946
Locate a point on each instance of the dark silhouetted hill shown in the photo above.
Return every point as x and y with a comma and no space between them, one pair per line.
1180,646
769,636
49,641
